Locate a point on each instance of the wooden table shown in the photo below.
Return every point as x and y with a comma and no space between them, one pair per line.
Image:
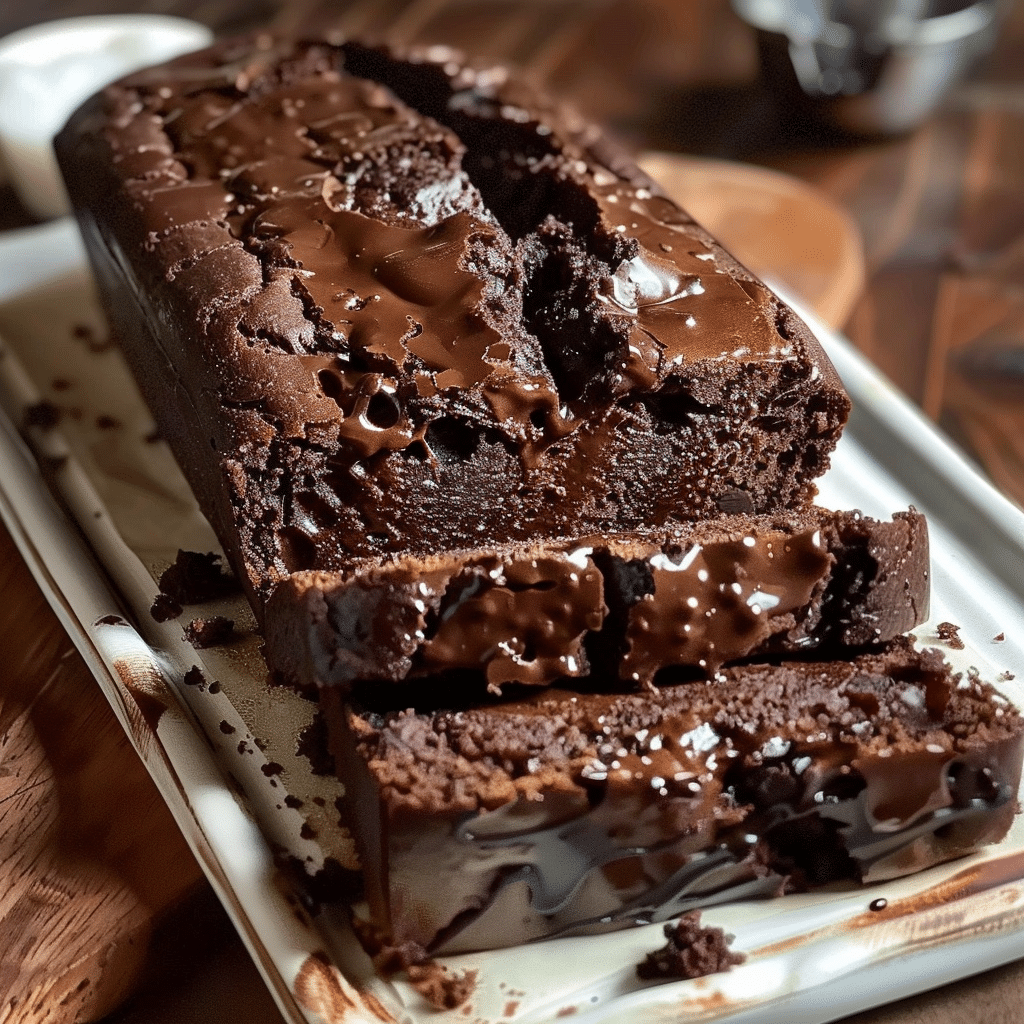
941,214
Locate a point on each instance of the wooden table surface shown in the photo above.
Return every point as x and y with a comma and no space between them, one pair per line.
941,214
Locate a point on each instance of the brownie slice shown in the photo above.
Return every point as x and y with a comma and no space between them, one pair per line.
606,608
387,304
568,813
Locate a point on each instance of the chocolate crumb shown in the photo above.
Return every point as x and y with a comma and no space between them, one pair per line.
292,801
307,831
949,632
111,620
691,951
271,768
105,422
1006,676
165,608
85,333
44,415
227,728
998,638
215,686
194,677
196,577
209,632
443,989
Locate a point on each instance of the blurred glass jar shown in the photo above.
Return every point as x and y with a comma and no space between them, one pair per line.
871,67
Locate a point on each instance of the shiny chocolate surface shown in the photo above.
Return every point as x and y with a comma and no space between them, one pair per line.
568,813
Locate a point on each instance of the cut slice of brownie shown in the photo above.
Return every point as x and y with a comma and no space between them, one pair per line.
606,608
568,813
388,304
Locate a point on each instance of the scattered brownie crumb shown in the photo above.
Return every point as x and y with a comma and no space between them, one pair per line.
1006,676
949,632
443,989
60,384
292,801
227,728
691,951
105,422
998,638
307,831
195,577
165,608
83,332
209,632
44,415
271,768
215,686
111,620
194,677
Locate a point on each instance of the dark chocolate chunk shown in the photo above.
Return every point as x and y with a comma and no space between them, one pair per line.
165,608
42,414
195,577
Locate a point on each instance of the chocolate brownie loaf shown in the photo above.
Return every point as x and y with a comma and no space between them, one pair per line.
388,304
567,813
619,606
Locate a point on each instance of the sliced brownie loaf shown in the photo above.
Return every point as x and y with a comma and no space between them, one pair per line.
566,813
388,304
613,607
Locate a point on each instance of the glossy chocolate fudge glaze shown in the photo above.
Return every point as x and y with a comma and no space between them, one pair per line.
568,813
390,304
619,607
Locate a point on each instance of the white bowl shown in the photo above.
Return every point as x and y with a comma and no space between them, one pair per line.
48,70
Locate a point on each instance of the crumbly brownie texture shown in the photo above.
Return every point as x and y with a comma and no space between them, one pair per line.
386,304
692,951
568,813
605,608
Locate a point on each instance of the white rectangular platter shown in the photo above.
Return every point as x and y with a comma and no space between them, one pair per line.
99,509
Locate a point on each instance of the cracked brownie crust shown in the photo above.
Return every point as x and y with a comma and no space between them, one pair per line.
392,304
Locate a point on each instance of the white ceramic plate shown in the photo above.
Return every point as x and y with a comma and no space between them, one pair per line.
224,755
